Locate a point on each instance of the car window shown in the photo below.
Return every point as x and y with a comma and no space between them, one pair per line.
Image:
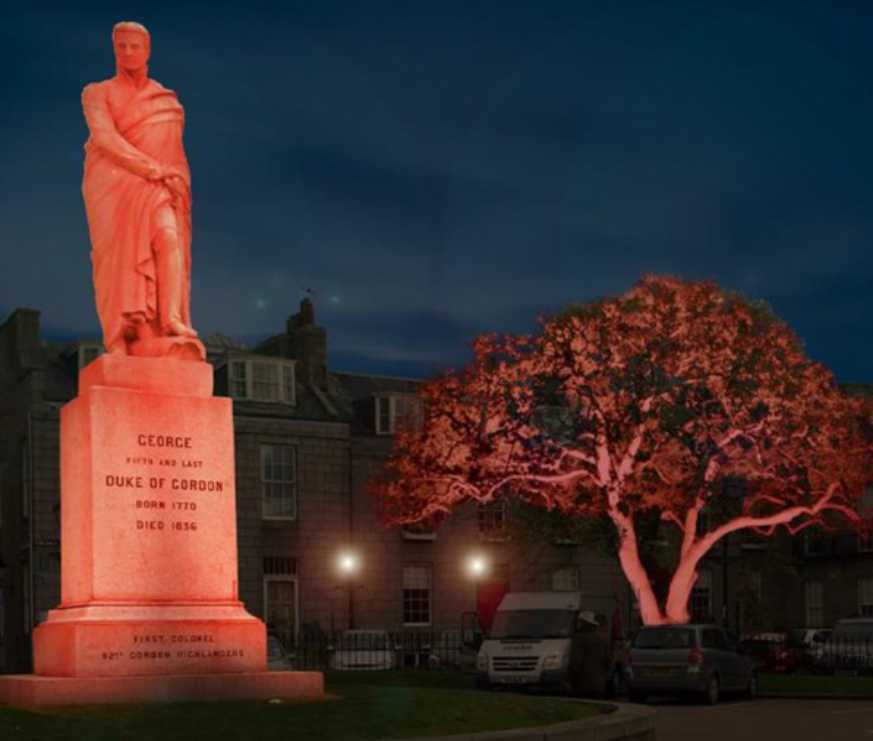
853,632
664,637
713,638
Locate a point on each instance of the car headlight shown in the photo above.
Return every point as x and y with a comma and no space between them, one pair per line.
482,662
555,660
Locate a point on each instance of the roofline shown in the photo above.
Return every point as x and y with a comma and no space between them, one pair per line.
375,375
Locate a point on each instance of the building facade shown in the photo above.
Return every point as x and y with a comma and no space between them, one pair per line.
308,441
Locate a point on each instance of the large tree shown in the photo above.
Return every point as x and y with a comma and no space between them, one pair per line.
644,405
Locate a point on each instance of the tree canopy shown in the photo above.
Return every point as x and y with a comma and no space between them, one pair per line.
656,401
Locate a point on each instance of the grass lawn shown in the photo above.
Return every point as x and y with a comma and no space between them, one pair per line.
816,685
363,706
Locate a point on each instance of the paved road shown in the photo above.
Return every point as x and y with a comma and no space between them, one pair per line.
766,720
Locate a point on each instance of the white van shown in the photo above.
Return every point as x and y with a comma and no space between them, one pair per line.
557,640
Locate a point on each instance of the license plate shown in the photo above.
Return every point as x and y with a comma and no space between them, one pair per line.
659,671
513,679
846,672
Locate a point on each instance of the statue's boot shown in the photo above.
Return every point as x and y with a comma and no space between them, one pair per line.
170,274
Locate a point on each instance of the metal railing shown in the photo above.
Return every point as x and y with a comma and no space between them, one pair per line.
776,655
378,651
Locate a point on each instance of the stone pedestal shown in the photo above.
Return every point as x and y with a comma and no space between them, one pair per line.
148,541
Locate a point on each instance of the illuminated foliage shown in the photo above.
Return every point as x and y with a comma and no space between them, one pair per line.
652,403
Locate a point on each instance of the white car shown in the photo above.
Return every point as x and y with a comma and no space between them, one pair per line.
849,649
363,650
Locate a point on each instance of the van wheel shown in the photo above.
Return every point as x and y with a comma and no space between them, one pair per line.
711,693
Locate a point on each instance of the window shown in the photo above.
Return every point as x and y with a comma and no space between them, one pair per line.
88,352
865,596
280,566
238,379
814,604
565,579
700,604
813,541
280,608
416,594
279,481
713,638
755,585
398,413
492,520
261,380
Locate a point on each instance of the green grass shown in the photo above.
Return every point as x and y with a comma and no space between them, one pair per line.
362,707
816,685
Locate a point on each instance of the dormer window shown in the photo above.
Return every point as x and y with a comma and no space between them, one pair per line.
261,380
398,413
88,352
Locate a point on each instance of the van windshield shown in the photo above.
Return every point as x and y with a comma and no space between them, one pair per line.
533,624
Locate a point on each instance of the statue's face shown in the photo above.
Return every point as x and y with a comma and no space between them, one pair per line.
131,50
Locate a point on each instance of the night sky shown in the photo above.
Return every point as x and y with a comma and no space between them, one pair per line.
434,170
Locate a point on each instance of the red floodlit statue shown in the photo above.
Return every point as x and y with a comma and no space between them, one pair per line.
673,397
137,190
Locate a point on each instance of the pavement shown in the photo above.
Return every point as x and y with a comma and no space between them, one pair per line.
765,719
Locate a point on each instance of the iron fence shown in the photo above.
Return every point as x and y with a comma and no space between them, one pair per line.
378,650
777,654
374,650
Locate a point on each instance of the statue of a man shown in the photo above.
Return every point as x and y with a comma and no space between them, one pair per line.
137,190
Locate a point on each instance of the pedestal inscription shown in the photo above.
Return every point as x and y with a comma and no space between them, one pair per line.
160,484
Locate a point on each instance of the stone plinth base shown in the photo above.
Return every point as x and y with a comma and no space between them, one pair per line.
28,689
106,641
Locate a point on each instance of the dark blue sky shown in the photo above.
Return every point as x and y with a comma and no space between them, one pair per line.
438,169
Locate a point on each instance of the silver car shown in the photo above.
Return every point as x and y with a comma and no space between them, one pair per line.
690,659
363,650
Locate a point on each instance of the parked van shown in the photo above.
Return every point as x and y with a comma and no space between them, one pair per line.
559,640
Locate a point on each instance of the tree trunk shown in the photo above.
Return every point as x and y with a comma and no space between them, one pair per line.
681,585
629,557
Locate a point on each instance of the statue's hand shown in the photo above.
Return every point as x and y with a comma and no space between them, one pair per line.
176,183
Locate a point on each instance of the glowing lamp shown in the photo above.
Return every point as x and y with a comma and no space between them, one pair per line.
477,566
348,563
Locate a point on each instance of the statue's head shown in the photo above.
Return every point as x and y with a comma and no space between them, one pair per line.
132,45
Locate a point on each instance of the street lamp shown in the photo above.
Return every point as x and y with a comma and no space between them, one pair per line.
349,564
477,566
471,625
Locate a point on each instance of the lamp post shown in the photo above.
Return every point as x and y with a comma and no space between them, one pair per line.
348,566
477,568
471,624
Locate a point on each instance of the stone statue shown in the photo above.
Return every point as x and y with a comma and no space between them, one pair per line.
137,190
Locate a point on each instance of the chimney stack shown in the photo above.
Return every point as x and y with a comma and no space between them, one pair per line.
308,343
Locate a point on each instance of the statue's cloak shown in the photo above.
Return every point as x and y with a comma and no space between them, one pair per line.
133,131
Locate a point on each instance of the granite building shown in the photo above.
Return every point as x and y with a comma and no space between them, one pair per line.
308,439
